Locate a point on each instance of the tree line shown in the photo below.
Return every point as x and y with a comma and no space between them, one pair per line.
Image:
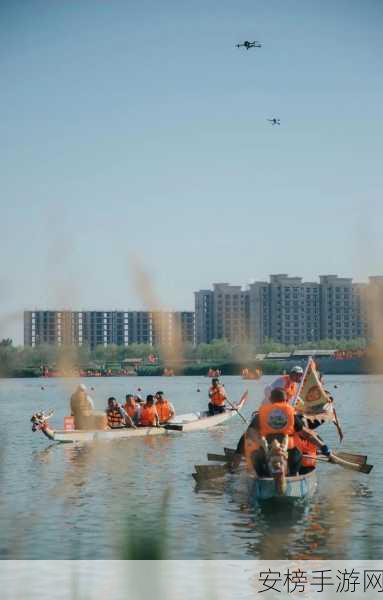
19,361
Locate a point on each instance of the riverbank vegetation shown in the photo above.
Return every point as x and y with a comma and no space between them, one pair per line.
25,361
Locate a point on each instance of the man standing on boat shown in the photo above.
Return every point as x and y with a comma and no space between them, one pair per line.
217,395
275,420
288,383
164,408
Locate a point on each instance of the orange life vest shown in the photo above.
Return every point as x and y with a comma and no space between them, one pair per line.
290,388
114,417
163,411
306,447
277,418
218,396
130,409
148,416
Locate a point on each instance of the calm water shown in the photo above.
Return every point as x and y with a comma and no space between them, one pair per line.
85,502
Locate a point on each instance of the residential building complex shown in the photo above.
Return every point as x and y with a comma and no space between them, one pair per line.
102,328
289,310
285,309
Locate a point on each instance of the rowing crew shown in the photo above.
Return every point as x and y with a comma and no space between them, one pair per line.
277,426
156,411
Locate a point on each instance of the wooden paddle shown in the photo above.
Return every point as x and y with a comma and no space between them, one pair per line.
218,457
236,409
172,426
342,463
361,459
205,472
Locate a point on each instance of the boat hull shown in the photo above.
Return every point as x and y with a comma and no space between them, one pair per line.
300,486
189,422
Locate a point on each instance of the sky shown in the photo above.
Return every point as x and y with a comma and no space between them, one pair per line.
137,133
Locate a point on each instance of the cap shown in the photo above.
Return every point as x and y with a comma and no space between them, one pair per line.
159,393
82,387
297,369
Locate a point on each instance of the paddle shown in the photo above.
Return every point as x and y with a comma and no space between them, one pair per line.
172,426
204,472
218,457
361,459
342,463
236,409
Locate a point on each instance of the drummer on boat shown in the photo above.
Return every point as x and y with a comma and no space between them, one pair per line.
165,409
217,395
274,421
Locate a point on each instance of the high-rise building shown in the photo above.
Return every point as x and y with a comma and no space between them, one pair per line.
230,313
286,310
48,327
336,307
204,316
102,328
294,310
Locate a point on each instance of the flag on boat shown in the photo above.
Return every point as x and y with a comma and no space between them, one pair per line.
313,400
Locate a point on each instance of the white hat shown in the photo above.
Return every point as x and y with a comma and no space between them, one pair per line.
82,387
297,369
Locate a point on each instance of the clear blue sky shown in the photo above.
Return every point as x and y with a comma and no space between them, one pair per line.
137,128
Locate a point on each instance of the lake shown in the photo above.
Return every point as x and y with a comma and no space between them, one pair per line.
109,500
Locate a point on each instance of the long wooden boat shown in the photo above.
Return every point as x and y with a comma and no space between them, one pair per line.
196,421
298,486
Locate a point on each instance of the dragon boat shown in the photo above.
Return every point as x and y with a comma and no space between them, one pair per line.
189,422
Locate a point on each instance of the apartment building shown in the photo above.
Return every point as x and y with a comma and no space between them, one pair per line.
102,328
287,310
204,316
222,313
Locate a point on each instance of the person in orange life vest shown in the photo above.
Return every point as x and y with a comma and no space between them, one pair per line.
165,409
217,395
274,421
132,408
289,383
116,415
148,415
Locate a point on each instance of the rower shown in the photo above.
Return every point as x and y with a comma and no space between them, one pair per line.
132,408
165,409
274,421
289,383
149,416
117,417
217,395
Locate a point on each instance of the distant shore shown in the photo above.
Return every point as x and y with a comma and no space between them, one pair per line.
327,366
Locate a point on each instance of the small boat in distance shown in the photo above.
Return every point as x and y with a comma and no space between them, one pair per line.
214,373
248,374
195,421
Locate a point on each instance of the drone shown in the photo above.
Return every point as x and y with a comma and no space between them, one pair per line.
275,121
248,45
